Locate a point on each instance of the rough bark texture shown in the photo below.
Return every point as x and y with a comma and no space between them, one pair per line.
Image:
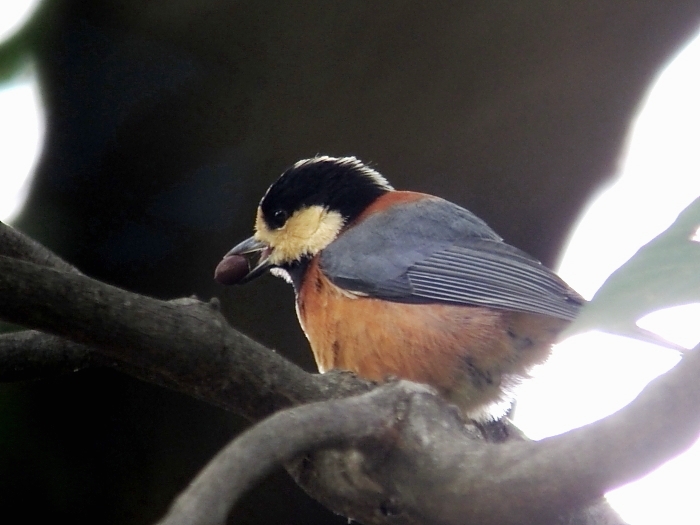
418,462
166,121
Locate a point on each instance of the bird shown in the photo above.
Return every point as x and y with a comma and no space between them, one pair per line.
400,284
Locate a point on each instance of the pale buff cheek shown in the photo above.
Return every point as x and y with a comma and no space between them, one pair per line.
306,232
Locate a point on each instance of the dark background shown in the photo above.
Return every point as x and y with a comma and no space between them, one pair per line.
167,119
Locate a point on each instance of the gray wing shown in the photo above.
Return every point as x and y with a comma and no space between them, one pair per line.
432,251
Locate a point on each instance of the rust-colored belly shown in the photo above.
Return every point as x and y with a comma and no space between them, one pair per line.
472,355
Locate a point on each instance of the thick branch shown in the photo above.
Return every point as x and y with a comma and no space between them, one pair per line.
435,470
30,354
187,344
210,497
530,482
440,471
15,244
35,355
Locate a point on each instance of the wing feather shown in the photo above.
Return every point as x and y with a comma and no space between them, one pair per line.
434,251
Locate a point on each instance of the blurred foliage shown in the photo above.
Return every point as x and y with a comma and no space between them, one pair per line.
16,51
664,272
14,59
166,121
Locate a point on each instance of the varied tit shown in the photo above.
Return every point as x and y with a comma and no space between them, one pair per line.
396,283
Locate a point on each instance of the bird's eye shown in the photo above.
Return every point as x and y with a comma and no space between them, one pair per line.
279,217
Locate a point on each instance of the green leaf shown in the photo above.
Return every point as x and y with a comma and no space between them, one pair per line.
16,52
663,273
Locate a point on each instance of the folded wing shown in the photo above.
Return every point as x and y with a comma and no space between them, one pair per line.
432,250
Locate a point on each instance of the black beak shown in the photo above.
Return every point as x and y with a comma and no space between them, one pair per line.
235,266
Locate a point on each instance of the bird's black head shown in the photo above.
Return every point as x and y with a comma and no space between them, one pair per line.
343,185
307,207
302,213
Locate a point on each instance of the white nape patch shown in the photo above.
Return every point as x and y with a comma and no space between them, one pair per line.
350,162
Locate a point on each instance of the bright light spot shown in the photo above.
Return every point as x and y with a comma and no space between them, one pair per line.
696,236
669,495
660,176
13,15
586,379
678,324
21,136
592,375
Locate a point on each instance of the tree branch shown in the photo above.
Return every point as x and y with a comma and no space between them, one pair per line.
429,450
282,437
35,355
439,469
186,343
29,354
15,244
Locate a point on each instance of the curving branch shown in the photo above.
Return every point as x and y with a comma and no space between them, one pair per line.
186,343
428,450
15,244
435,469
371,417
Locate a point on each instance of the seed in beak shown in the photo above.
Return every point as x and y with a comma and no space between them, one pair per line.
231,269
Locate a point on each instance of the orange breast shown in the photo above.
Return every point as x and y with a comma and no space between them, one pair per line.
470,354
